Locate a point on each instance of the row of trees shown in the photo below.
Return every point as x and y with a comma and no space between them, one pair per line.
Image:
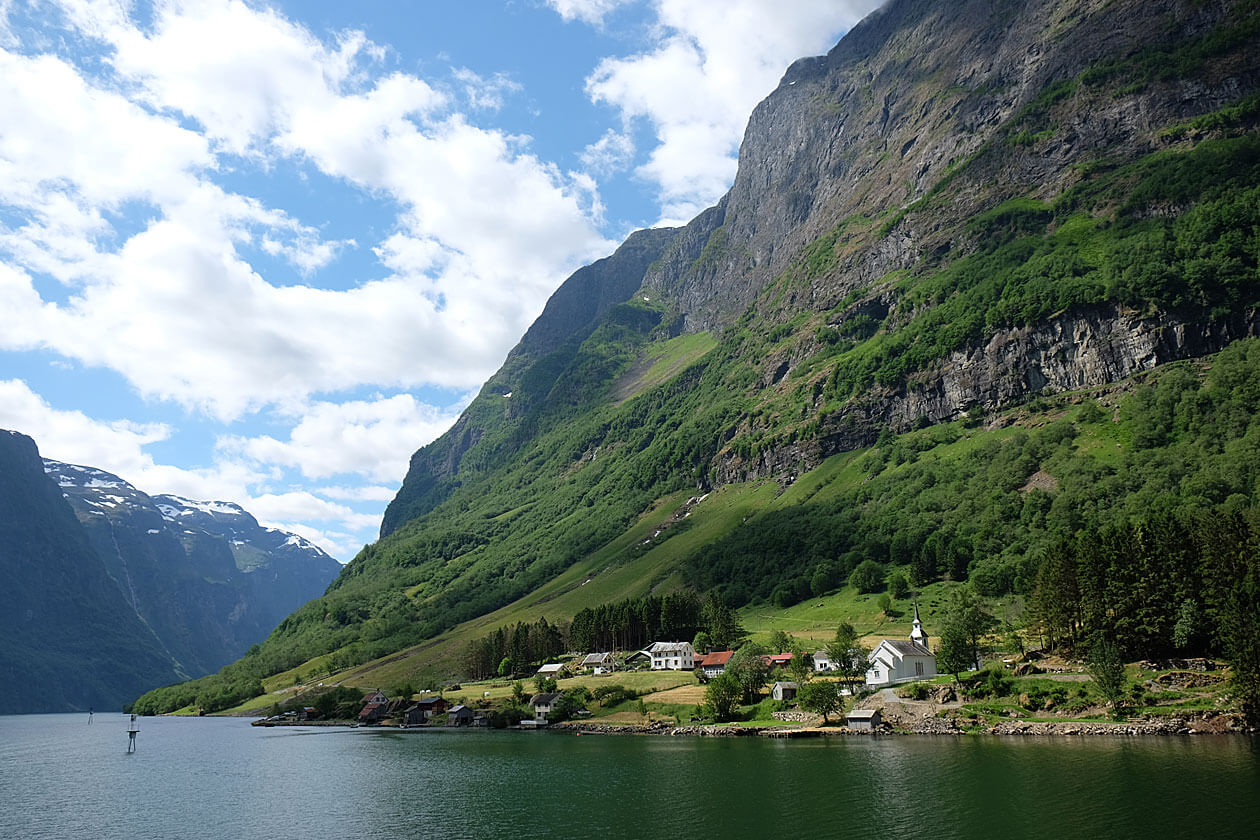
624,625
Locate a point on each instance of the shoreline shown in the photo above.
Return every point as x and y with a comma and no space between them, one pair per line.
1222,724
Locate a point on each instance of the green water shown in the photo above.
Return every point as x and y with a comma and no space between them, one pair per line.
60,778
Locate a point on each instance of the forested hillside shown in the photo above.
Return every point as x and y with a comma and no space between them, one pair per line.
966,289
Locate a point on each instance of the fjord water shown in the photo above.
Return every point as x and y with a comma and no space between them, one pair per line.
219,778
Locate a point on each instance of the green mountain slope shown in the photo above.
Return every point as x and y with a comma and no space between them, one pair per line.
962,208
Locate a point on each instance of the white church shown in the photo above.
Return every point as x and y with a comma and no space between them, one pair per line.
894,661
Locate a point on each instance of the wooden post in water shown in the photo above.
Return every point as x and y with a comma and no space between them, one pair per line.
132,731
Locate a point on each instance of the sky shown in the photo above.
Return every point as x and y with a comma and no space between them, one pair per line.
261,252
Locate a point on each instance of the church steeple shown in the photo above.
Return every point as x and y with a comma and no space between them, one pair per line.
916,634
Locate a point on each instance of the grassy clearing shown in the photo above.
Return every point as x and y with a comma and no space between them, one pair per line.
661,363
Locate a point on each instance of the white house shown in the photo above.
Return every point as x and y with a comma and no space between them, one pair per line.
822,662
543,704
895,661
554,670
672,656
601,663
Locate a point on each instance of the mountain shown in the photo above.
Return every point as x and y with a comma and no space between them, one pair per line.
205,576
960,305
109,592
70,639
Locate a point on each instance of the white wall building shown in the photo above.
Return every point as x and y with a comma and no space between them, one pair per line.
672,656
895,661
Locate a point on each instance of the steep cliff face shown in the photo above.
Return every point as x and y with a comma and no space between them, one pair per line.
530,371
912,94
205,577
70,639
861,176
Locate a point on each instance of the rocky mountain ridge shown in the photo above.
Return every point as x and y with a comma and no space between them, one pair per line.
205,576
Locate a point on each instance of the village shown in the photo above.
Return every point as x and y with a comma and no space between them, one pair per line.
844,688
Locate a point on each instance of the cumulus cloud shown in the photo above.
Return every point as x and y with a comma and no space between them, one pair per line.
175,305
328,517
485,94
610,153
373,439
711,63
71,436
589,11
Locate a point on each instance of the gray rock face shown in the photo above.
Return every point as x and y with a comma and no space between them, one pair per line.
205,577
855,148
70,640
915,89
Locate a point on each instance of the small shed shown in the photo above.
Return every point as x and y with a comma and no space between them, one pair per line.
784,690
460,716
865,719
414,716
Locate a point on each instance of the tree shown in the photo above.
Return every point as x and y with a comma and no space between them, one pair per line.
703,642
868,577
954,655
722,696
1107,670
801,666
847,654
505,666
781,642
722,623
821,697
518,692
898,586
962,634
747,666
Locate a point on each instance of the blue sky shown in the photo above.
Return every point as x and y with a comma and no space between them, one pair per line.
262,252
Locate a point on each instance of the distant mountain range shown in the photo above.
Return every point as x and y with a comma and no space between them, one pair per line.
110,592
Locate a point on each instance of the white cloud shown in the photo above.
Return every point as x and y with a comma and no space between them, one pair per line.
118,446
484,230
367,493
372,439
590,11
485,94
697,85
610,153
73,437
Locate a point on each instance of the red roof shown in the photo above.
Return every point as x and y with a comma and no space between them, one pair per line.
777,658
717,657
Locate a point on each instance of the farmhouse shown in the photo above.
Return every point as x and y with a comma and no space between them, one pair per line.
712,664
543,704
672,656
554,670
600,663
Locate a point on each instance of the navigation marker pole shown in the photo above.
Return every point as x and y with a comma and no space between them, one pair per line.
132,731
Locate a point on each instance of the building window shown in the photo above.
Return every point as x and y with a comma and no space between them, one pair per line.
918,669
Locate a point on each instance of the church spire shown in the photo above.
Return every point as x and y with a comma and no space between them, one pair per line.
916,634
